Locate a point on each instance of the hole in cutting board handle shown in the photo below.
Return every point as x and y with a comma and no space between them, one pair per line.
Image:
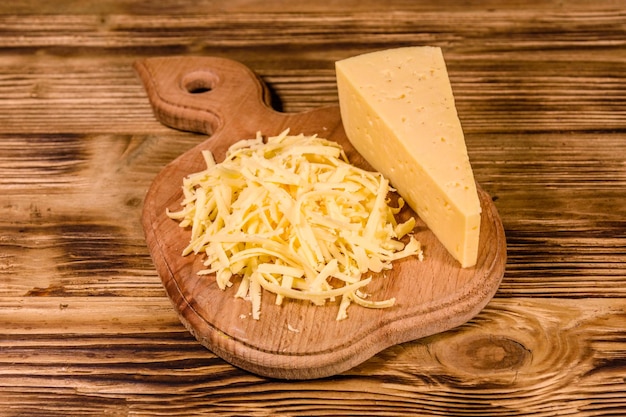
200,94
199,82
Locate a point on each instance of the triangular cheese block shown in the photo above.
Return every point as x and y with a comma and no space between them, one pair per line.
398,111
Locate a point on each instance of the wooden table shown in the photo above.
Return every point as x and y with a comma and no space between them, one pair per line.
85,326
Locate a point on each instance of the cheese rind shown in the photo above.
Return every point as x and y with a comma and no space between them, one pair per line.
398,111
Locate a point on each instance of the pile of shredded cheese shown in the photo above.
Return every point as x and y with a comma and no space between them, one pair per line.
292,216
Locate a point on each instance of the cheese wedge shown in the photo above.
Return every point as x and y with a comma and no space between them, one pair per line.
398,111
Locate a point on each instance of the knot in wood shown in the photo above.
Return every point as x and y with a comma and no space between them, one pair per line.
494,353
485,354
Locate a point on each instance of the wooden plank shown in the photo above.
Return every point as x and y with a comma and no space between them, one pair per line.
87,244
553,97
518,357
186,7
320,35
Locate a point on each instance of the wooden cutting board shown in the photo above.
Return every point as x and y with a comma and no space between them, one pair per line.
296,340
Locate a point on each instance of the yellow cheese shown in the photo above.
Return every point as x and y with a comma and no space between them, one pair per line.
293,217
398,111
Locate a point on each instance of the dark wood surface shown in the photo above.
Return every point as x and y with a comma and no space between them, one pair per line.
85,324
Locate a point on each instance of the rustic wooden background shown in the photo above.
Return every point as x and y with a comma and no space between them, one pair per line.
85,326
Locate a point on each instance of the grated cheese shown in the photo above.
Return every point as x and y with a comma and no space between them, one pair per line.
293,217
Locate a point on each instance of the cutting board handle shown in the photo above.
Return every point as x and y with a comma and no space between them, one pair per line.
202,94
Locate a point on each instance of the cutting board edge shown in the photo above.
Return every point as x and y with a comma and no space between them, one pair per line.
325,364
331,362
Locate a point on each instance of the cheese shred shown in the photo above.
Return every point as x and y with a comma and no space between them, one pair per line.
291,215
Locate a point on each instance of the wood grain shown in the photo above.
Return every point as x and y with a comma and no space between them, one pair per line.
510,360
540,88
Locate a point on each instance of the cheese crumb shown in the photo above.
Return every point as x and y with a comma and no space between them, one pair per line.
292,216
